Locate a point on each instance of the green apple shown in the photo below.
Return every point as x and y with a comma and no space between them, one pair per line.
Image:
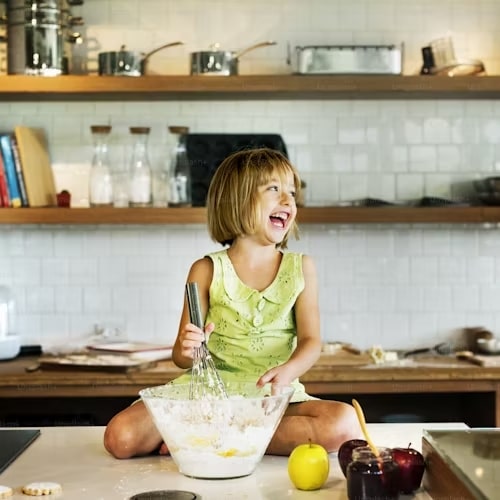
308,466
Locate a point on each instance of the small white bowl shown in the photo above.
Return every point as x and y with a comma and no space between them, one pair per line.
10,346
489,346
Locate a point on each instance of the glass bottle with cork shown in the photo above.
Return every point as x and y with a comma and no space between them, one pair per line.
179,169
140,179
100,180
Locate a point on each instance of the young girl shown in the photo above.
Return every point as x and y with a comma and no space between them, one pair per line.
260,305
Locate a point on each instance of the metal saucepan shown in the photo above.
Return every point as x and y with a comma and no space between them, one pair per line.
220,62
127,62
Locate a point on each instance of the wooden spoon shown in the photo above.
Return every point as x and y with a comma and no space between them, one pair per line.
362,423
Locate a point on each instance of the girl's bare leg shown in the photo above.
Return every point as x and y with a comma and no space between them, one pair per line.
132,433
328,423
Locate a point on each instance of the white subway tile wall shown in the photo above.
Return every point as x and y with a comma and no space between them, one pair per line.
398,286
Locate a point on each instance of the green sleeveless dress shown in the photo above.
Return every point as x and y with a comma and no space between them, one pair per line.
254,331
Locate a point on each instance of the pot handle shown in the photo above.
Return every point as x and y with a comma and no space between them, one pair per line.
252,47
149,54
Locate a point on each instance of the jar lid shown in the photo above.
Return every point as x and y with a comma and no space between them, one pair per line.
365,453
140,130
178,129
100,129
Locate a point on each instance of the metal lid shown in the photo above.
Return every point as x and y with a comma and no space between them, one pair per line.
166,495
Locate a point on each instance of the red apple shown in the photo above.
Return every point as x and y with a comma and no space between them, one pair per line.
411,468
345,452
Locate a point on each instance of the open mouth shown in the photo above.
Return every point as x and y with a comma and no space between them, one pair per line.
279,219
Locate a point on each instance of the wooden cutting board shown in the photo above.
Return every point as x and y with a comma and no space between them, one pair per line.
36,166
95,362
344,358
490,361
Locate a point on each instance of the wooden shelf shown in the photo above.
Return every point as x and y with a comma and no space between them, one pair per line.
307,215
104,215
93,87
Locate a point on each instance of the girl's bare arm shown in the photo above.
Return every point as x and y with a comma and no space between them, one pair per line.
189,335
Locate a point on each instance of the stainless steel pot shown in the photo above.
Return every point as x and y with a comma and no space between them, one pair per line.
220,62
35,37
40,36
127,62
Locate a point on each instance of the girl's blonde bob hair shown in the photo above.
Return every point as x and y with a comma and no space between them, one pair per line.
232,199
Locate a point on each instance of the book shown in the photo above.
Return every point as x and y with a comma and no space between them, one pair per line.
36,166
4,192
19,172
10,170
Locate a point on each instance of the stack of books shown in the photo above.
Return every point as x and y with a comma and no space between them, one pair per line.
26,176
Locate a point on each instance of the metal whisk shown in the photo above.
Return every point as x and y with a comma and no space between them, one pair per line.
205,379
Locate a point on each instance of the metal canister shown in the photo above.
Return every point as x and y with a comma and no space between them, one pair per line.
35,44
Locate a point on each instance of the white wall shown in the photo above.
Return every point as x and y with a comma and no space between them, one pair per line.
399,286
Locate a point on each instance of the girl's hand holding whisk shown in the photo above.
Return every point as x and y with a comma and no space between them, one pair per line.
192,337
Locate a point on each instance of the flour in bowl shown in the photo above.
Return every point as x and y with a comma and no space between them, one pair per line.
216,438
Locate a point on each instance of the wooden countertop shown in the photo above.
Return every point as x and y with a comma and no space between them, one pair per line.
424,375
327,376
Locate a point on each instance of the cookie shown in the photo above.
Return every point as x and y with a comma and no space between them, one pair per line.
5,492
42,488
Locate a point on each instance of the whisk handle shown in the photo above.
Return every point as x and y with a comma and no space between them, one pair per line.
193,299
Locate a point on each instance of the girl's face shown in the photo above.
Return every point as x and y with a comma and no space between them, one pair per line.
277,207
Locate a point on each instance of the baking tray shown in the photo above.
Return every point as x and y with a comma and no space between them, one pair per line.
462,463
348,59
14,442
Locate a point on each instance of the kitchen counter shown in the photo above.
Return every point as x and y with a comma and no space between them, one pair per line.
86,471
442,375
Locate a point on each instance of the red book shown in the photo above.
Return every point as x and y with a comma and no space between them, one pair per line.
4,192
10,170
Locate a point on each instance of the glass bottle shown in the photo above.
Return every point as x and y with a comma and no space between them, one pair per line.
370,477
7,312
140,170
161,183
120,185
180,170
100,180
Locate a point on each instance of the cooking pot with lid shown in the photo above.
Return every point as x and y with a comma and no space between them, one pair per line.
126,62
220,62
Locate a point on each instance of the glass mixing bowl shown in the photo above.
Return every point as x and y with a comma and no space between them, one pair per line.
214,438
